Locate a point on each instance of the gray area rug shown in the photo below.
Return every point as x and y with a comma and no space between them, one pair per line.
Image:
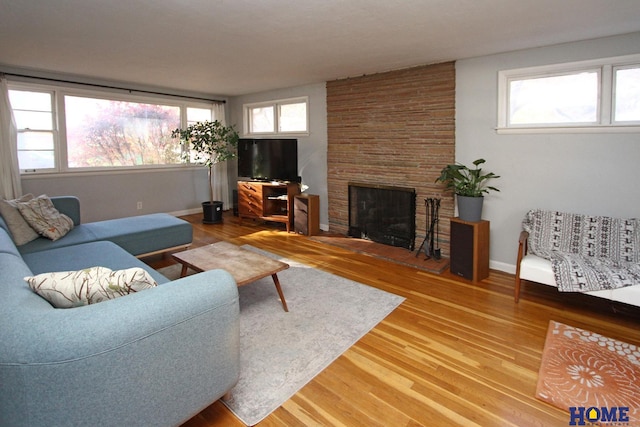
281,352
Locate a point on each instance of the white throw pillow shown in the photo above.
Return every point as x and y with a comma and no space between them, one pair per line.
43,217
67,289
21,231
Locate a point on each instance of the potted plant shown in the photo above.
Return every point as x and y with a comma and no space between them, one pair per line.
469,186
208,143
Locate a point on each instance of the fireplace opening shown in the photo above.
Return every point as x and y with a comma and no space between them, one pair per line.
383,214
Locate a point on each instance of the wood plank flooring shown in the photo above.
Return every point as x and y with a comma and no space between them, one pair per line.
454,353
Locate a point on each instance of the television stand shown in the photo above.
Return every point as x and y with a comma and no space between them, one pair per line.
268,201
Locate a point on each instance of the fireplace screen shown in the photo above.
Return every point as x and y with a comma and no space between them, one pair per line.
383,214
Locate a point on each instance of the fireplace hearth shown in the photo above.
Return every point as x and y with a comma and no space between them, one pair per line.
383,214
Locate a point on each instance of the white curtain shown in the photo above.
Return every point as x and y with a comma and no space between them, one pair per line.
220,170
10,185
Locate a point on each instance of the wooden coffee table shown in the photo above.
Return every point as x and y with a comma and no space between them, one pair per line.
245,266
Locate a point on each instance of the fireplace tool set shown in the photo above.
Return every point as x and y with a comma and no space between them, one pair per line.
433,230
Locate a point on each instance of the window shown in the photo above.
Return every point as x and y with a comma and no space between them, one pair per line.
261,119
64,130
569,98
627,94
106,133
589,95
37,134
284,117
195,115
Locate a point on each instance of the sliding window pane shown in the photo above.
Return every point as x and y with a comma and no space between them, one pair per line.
35,141
627,95
36,150
32,110
195,115
262,119
33,120
293,117
36,160
27,100
108,133
564,99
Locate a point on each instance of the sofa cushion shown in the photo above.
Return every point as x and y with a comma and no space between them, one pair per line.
78,257
20,230
68,289
145,233
44,218
137,235
78,235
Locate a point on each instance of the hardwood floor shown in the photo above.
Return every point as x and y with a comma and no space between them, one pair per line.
454,353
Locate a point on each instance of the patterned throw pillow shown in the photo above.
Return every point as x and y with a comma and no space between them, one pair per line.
21,231
68,289
43,217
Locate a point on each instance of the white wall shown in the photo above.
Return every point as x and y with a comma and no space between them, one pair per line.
312,149
115,195
587,173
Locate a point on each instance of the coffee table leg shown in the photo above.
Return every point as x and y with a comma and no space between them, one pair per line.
183,272
279,289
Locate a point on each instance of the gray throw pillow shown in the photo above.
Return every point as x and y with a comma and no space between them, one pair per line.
20,230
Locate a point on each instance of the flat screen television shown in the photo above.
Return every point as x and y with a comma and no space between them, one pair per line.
268,159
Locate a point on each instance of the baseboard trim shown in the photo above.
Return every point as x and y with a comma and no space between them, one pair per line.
186,212
502,266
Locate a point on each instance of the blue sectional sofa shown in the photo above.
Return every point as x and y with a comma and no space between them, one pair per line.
152,358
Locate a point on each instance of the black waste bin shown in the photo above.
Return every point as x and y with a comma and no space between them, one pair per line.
212,212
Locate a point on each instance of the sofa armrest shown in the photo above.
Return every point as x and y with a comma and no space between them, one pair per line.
141,351
68,205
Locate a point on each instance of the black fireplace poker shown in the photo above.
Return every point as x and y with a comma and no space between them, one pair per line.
433,230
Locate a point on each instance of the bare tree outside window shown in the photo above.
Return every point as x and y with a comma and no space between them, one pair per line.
107,133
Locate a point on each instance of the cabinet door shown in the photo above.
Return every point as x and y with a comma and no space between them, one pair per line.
249,199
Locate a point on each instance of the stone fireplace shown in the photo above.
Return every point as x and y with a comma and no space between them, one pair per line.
383,214
392,129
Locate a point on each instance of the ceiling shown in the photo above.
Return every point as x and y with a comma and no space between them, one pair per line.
235,47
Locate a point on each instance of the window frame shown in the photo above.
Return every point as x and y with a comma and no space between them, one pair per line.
605,121
55,127
276,105
59,92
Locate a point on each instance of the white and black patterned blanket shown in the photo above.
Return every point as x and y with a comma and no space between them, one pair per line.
587,253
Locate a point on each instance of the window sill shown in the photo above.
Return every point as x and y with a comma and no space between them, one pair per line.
568,129
276,135
118,171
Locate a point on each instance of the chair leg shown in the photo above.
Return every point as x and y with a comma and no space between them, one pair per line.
516,291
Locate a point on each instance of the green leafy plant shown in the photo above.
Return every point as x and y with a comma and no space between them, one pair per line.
464,181
207,143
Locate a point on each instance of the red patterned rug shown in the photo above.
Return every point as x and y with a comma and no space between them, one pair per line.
582,369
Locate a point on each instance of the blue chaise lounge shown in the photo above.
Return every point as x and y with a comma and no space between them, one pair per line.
152,358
